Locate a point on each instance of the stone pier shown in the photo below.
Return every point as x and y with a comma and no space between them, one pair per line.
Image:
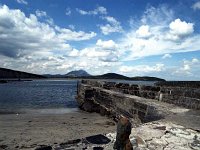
146,103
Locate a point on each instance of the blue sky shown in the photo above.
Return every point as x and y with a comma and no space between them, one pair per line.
131,37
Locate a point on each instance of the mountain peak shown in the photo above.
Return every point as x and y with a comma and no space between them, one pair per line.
78,73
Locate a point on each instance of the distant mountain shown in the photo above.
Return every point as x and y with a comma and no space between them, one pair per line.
81,74
122,77
84,75
77,73
8,73
111,76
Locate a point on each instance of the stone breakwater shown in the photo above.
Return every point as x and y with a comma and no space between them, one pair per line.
112,103
186,94
143,103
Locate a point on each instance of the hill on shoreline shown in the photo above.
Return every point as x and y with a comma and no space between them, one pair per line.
77,74
13,74
120,77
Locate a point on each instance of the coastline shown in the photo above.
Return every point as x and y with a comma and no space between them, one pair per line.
28,130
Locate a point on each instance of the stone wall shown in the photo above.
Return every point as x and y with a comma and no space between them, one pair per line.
193,84
181,93
145,103
112,103
182,96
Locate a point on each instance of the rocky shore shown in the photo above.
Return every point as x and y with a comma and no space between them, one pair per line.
89,131
150,136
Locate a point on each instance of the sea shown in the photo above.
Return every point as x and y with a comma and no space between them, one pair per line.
43,96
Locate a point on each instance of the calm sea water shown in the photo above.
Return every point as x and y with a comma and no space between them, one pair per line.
43,95
38,94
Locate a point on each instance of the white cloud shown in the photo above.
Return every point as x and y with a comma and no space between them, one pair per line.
69,35
196,5
40,13
112,26
142,68
110,44
32,35
99,10
68,11
107,29
195,60
44,16
82,12
143,31
74,53
105,51
22,2
111,20
164,36
94,52
181,28
166,56
188,67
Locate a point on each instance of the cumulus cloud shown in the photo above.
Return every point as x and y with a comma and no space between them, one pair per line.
99,10
143,31
38,46
166,56
103,51
110,44
180,28
94,52
69,35
101,55
158,38
188,67
22,2
40,13
142,68
43,15
112,26
196,5
195,60
74,53
32,35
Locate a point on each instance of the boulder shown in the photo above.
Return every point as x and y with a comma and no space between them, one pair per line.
122,138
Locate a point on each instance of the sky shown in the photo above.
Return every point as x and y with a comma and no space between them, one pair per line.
158,38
